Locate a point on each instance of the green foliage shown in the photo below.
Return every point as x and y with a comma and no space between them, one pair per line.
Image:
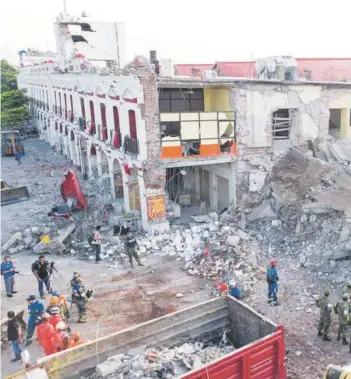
13,100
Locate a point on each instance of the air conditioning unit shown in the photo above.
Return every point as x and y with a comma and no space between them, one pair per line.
209,74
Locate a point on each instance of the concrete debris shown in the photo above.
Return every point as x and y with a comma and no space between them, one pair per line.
161,362
262,212
179,295
233,240
15,237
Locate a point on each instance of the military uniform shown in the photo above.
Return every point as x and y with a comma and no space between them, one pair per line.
343,310
81,300
325,315
347,290
130,247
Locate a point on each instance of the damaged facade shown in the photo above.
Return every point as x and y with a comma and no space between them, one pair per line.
168,147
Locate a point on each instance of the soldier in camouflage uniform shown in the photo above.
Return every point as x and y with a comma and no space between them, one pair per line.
325,315
343,310
81,299
347,289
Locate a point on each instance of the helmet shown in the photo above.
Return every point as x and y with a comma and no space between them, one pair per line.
273,262
45,316
75,336
55,294
326,292
345,297
54,300
61,326
55,310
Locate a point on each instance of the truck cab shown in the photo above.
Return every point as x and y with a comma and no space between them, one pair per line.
11,143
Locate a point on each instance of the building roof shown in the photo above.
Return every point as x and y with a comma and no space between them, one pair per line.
322,69
326,69
236,69
188,69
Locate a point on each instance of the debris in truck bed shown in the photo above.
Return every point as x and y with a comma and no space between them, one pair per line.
162,362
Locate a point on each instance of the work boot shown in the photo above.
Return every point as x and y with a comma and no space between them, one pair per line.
326,338
28,342
275,304
269,301
320,333
344,341
18,358
14,292
140,264
338,337
9,295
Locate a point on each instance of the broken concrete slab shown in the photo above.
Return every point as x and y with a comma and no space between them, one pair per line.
257,181
233,240
63,234
110,366
15,237
262,212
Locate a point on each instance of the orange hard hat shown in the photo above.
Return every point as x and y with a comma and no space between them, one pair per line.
54,300
75,336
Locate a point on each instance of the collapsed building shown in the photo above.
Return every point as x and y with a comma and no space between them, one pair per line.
170,147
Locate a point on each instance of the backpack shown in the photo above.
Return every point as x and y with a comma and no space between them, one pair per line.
91,239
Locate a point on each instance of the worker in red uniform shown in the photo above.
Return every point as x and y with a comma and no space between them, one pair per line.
76,340
61,340
45,332
55,317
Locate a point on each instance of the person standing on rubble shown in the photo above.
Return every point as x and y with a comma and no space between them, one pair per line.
8,270
272,280
35,310
342,309
130,245
325,315
97,243
82,299
41,270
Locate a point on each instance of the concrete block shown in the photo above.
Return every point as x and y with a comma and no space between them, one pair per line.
110,366
257,180
262,212
65,233
27,241
233,240
15,237
35,230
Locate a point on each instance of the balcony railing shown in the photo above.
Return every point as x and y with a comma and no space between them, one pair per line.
197,134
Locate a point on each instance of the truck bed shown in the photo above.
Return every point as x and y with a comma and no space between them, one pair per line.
259,342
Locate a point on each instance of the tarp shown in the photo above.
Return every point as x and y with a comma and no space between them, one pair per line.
70,188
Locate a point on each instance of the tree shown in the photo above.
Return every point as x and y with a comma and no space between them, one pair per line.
13,100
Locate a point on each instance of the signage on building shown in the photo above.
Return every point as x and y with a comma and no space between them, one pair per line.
156,207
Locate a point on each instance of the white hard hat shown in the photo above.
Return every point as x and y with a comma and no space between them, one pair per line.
54,310
61,325
232,283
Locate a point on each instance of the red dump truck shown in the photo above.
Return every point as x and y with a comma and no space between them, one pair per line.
259,343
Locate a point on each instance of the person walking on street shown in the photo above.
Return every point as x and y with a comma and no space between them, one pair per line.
272,280
14,335
41,270
35,310
97,243
130,246
8,270
325,315
343,310
82,300
45,332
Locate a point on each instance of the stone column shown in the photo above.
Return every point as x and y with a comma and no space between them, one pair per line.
213,191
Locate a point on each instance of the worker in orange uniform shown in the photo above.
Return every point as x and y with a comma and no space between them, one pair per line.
76,340
45,332
55,317
63,305
61,340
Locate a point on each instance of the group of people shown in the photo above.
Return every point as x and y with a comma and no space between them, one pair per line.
342,308
53,332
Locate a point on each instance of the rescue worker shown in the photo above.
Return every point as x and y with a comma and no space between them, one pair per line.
347,289
55,302
343,310
45,332
76,340
63,304
234,290
74,281
325,315
35,309
97,243
130,245
61,340
272,280
55,316
82,300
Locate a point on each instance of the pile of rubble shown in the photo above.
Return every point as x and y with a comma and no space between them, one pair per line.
303,209
162,362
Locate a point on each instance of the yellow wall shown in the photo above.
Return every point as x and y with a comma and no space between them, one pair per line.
216,99
345,127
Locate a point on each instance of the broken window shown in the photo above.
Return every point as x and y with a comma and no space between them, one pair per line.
281,124
170,128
